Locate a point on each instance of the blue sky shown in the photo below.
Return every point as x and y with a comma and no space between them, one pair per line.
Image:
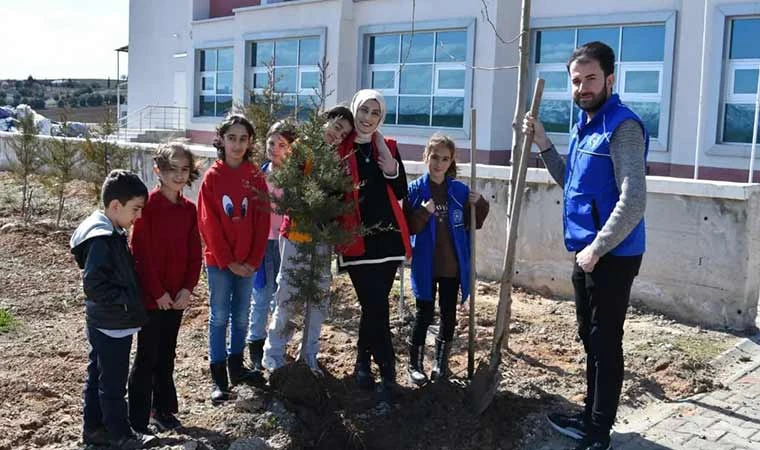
62,38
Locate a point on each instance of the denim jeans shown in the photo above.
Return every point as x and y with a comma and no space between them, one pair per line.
230,298
106,385
263,298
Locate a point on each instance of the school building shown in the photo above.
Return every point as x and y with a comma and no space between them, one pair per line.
434,60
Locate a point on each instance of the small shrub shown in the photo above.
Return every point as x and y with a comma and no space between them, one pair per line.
7,322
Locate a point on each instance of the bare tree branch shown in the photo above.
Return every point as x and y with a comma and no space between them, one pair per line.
487,18
411,38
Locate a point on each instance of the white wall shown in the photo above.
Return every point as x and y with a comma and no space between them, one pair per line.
157,31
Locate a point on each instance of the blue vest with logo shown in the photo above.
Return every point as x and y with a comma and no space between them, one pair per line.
423,243
590,191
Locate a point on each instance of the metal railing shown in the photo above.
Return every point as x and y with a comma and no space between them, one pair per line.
152,117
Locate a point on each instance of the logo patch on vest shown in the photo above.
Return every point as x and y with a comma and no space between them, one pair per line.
458,216
592,141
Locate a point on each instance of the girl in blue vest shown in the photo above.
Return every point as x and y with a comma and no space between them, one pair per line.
438,213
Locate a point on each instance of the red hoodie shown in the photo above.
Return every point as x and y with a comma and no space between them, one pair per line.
166,247
233,215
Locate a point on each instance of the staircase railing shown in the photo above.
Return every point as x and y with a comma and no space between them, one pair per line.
152,117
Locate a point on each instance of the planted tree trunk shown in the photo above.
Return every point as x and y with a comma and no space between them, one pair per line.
521,101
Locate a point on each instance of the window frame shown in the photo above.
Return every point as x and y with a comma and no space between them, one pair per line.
320,33
200,76
727,85
365,70
664,18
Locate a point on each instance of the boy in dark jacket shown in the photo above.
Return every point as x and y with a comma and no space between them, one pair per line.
114,310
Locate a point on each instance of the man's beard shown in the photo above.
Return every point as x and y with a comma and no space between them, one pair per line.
596,102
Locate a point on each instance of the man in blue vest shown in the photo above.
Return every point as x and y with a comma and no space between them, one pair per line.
604,184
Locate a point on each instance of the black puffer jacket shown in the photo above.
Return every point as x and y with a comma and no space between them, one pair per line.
108,275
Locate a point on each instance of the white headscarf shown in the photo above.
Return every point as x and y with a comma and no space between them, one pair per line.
361,97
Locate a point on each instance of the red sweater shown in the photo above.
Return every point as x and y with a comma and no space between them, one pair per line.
233,215
166,247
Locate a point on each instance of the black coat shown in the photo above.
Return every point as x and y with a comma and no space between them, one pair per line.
110,283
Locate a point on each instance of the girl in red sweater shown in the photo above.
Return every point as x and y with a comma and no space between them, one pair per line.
233,218
167,252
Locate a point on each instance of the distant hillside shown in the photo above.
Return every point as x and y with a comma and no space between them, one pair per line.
75,93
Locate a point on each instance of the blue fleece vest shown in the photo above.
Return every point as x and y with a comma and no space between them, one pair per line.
423,243
590,191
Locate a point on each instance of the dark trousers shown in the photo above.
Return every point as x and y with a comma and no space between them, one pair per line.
373,283
447,289
106,385
151,382
601,302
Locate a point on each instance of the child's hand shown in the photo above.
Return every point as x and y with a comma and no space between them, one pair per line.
385,160
429,205
164,302
238,269
182,300
249,268
474,197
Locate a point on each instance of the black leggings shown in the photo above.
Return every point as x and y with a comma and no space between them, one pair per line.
373,283
447,302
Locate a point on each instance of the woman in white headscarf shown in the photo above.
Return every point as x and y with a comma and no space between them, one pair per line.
372,260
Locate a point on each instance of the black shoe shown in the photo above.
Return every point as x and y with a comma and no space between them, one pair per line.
572,426
363,371
221,388
240,374
133,441
164,422
256,353
416,370
97,436
441,365
594,444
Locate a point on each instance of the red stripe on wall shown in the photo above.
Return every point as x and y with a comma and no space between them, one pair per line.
222,8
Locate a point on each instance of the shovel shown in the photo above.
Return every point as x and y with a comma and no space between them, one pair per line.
487,377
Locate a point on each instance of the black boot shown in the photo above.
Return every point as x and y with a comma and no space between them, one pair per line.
219,377
239,373
363,371
386,389
416,371
441,365
256,352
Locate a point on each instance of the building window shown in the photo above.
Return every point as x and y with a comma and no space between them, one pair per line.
215,81
742,63
294,63
640,75
421,76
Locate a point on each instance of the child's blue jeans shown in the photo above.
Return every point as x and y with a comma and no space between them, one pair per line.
263,298
229,299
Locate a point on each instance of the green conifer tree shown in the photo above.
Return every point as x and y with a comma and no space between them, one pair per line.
314,182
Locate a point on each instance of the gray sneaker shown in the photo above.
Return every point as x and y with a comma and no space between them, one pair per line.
134,441
573,426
